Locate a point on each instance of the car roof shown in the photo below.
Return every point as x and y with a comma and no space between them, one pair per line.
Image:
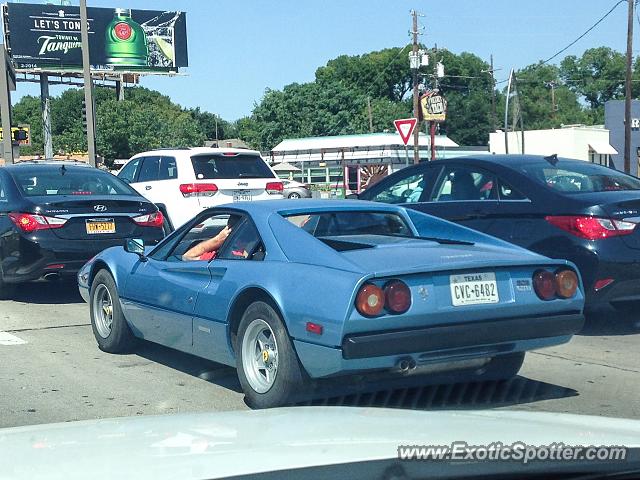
291,207
197,151
507,160
48,166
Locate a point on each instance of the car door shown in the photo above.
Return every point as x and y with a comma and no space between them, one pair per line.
129,173
148,174
237,260
160,294
465,194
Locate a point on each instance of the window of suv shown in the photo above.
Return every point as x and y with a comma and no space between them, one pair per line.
129,171
230,165
149,169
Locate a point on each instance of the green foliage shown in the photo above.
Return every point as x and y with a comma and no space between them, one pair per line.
146,119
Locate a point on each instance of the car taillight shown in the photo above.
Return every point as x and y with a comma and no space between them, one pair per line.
28,222
155,219
274,188
592,228
198,189
370,300
544,284
397,296
566,283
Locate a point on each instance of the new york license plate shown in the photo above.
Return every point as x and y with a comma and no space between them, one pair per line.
103,225
241,195
473,288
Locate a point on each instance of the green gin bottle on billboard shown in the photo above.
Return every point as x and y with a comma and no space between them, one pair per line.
125,41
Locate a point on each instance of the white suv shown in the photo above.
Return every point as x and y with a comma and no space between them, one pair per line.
184,181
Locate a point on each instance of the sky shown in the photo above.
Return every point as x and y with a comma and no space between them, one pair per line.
237,49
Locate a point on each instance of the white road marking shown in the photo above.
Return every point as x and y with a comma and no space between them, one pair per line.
8,339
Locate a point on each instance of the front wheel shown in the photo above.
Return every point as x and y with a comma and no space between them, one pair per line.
268,367
109,326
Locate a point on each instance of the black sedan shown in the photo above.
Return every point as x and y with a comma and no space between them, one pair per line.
561,208
54,216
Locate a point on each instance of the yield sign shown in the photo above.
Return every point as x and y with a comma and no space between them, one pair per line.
405,128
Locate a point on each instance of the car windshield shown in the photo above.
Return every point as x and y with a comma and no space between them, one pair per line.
241,165
69,181
579,177
351,223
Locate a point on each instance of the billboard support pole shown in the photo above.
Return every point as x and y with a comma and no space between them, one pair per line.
119,90
5,106
45,103
88,84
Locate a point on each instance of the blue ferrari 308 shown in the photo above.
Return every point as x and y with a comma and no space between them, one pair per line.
292,291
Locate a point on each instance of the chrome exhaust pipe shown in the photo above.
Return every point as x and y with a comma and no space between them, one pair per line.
405,364
51,276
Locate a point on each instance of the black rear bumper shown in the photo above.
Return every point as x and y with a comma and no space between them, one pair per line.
446,337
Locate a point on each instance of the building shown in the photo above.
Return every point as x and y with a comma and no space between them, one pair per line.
357,160
614,122
582,142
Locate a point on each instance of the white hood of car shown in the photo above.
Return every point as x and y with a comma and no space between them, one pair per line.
215,445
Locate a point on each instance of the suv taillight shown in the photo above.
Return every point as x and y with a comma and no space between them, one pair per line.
28,222
274,188
155,219
198,189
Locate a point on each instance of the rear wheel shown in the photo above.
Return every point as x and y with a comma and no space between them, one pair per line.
504,367
294,195
6,289
268,366
109,326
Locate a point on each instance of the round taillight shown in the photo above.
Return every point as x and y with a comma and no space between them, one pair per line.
544,283
397,296
370,300
566,283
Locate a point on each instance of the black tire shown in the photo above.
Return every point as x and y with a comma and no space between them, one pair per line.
6,289
295,195
119,338
504,367
290,378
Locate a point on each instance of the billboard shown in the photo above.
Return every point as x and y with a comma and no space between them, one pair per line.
47,37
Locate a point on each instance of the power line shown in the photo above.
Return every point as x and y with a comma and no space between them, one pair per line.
584,34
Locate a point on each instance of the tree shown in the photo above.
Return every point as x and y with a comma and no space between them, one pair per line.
597,76
535,83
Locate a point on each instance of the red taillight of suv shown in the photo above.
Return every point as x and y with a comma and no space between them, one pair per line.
155,219
592,228
274,188
29,222
198,189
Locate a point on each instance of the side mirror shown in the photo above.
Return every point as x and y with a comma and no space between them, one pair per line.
135,245
352,196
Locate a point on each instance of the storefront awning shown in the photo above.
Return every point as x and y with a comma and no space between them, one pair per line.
602,148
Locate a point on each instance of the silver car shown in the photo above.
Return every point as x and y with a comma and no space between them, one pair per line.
293,189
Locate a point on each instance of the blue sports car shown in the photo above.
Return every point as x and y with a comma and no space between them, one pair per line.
291,291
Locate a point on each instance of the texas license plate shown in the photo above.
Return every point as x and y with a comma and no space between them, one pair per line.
104,225
242,196
473,288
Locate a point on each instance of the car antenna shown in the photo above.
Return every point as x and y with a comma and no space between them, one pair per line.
552,159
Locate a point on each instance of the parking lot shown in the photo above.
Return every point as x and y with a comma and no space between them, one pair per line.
52,371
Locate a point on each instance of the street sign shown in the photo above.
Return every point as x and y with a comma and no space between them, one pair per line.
405,127
433,107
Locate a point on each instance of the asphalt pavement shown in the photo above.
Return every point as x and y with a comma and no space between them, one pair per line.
52,371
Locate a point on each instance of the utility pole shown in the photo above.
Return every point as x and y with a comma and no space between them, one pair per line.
494,120
45,102
88,83
370,115
627,90
416,92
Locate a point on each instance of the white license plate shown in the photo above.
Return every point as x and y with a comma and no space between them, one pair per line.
242,196
473,288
